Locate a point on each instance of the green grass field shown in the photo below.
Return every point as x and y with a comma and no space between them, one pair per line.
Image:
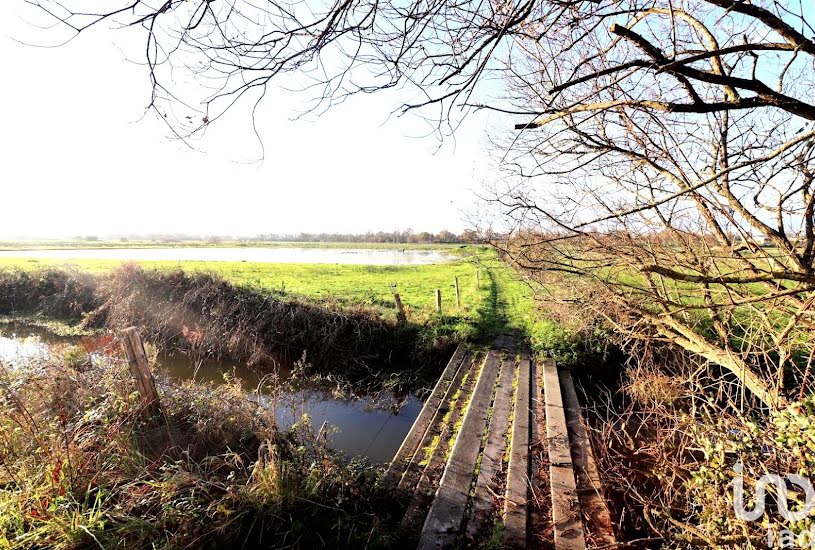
503,302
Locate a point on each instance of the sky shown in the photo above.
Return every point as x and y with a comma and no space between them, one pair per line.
79,157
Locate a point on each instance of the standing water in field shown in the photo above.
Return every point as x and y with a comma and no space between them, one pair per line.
285,255
362,426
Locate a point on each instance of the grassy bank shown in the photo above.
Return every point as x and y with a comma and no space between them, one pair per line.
206,316
501,302
369,285
82,467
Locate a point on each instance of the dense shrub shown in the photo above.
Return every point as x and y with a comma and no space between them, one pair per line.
66,294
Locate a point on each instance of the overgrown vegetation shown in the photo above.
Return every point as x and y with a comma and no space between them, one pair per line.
204,315
81,467
677,441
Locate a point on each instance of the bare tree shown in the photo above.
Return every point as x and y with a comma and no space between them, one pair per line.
664,150
669,159
206,55
663,181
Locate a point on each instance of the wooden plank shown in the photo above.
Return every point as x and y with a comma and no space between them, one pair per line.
589,485
424,420
515,505
413,469
493,455
540,512
446,516
424,490
566,514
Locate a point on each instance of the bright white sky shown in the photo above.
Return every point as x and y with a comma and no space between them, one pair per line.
78,158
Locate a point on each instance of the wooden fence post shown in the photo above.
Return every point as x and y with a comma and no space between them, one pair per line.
458,296
477,277
401,317
140,369
438,300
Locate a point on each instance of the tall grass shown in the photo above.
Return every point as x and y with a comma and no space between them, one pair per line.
81,467
52,292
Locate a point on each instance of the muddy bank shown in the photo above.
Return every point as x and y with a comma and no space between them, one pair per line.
206,316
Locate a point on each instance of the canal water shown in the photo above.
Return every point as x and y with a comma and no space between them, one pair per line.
368,426
357,256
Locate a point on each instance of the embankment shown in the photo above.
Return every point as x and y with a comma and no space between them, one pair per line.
205,315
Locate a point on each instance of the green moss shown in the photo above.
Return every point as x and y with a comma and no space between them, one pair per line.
434,444
496,538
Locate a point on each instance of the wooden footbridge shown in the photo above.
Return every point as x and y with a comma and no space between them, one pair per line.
499,454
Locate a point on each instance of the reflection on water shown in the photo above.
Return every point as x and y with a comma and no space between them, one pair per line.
362,427
360,256
20,345
21,350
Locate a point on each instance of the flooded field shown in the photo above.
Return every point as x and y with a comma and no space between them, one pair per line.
351,256
362,426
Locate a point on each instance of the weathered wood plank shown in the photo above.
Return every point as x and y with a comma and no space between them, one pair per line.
515,505
424,420
589,485
540,494
446,516
424,490
493,455
413,470
566,513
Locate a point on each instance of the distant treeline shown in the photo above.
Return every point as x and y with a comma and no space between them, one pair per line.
405,236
